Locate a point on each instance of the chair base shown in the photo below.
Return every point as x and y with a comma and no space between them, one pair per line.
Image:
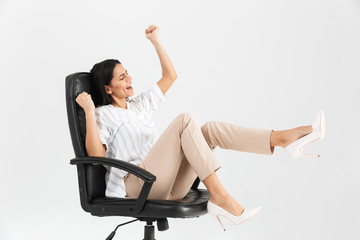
149,230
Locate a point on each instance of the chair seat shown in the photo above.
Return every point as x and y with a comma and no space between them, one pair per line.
193,205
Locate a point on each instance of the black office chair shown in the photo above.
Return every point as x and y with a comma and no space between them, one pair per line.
92,177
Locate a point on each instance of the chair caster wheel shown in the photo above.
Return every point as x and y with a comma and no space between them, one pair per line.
162,224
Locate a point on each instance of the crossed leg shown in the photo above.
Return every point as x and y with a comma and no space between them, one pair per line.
234,137
184,151
226,136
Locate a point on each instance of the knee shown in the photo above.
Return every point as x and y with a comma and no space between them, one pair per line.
186,117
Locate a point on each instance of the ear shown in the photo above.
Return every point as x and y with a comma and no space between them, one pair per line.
108,90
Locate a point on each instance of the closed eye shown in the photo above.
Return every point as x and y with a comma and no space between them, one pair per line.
122,78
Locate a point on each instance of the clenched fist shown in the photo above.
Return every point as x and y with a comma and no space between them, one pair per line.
151,33
85,101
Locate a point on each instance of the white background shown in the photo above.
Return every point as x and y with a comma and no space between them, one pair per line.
261,64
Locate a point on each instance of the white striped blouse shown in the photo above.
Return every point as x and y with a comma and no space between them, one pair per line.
128,134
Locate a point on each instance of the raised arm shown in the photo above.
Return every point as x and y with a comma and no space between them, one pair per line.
93,145
168,71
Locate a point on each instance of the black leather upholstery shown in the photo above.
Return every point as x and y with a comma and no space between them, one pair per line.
75,84
95,180
92,177
191,206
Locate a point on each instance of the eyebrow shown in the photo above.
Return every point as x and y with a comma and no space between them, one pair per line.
123,73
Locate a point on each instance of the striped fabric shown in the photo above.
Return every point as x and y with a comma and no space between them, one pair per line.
128,134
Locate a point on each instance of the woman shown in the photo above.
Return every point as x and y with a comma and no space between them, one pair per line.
123,129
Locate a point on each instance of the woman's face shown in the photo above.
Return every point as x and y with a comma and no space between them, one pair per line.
120,83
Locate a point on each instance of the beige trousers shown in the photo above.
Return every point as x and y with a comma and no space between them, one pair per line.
184,152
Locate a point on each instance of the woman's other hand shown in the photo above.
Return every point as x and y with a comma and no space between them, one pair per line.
151,33
85,101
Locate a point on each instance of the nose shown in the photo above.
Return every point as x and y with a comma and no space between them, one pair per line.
128,78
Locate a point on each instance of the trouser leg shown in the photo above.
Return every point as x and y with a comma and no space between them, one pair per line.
186,175
226,136
234,137
184,180
183,139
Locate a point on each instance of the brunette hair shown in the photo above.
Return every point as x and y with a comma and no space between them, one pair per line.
101,75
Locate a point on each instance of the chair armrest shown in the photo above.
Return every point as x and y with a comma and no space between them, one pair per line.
128,167
148,178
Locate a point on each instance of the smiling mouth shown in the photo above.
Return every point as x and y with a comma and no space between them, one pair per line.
129,88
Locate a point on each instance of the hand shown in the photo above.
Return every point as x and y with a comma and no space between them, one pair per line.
85,101
151,33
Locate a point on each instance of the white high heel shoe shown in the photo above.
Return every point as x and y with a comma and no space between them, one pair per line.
217,211
295,149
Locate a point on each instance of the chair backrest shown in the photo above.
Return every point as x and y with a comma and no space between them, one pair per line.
75,84
93,185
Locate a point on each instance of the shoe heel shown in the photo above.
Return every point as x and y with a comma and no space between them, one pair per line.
222,225
217,211
295,149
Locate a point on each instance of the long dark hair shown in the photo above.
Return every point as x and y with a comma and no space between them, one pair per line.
101,75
